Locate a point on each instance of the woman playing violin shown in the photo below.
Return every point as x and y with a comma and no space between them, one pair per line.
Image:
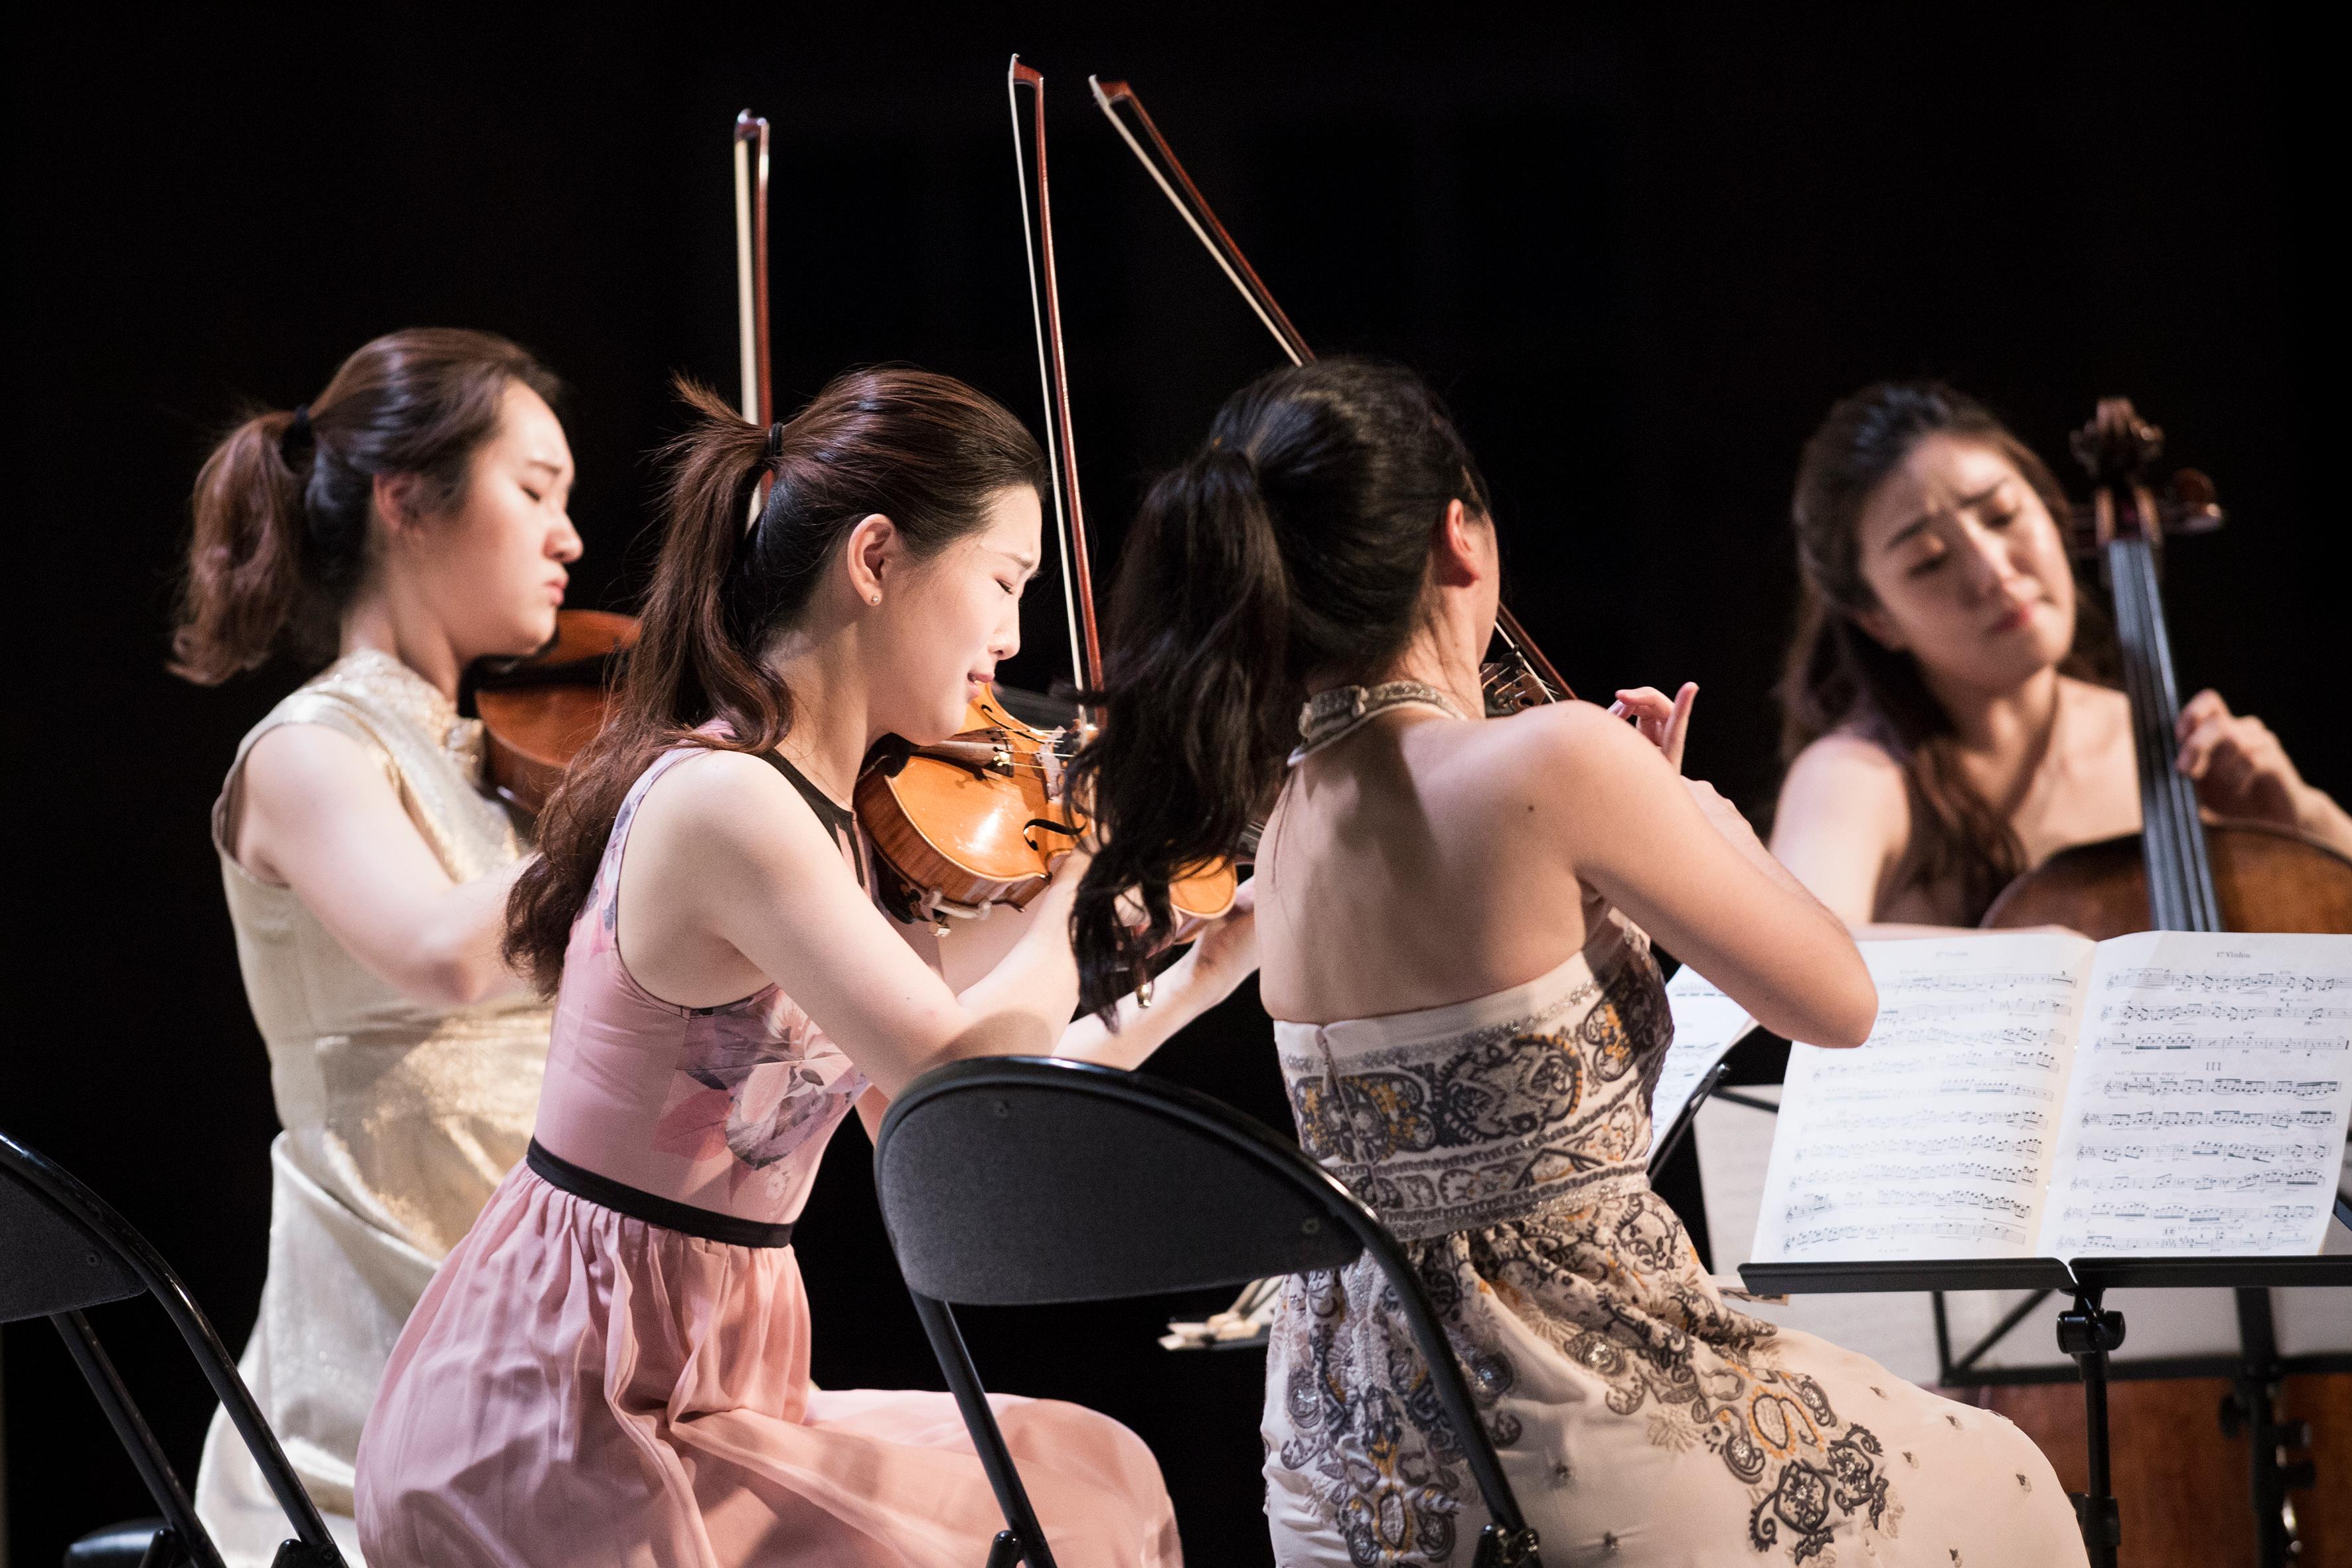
614,1364
1455,914
1944,719
408,520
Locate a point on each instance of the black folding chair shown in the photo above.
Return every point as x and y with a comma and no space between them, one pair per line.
1010,1181
63,1249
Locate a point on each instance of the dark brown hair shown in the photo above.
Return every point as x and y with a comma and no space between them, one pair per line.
1295,542
924,451
1839,677
282,507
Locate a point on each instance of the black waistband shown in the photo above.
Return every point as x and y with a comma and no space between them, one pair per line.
667,1213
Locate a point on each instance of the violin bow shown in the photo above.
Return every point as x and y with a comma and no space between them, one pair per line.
1125,111
1052,372
752,265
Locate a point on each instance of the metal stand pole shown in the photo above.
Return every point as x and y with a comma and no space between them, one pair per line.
2089,1334
2254,1406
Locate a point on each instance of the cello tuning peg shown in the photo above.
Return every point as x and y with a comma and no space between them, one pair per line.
2188,505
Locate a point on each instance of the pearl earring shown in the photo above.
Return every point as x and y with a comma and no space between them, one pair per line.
872,598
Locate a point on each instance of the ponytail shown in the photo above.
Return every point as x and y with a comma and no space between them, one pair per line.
924,451
282,506
1294,545
246,592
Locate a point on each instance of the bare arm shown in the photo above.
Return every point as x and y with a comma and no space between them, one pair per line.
1841,824
314,813
728,852
1687,867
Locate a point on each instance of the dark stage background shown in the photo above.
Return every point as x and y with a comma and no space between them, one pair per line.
1641,261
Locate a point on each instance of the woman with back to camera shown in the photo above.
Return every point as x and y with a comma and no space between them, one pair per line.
1454,914
613,1365
1944,726
407,521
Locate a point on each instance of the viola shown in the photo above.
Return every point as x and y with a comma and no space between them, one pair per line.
1523,677
538,713
2171,1456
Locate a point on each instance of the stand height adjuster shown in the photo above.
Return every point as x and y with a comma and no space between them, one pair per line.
2089,1333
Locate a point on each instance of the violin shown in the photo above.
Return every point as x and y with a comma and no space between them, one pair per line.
980,818
2181,873
1523,677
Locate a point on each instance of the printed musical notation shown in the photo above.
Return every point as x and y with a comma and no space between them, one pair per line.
2214,1066
1974,1039
2167,1094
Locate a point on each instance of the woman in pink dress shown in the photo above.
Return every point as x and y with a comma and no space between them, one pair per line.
612,1366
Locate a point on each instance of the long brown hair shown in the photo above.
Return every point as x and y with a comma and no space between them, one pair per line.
282,507
1839,677
924,451
1295,540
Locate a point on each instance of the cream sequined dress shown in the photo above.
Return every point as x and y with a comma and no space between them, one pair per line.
399,1118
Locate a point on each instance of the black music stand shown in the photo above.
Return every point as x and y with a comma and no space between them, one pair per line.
2089,1334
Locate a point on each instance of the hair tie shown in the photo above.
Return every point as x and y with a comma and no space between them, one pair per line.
297,441
762,505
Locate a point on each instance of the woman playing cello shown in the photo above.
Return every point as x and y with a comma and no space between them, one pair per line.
1944,728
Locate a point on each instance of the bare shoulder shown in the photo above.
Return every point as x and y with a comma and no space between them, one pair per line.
1844,765
733,802
1845,778
1560,758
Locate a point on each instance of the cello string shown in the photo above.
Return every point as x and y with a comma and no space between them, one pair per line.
2204,906
2132,643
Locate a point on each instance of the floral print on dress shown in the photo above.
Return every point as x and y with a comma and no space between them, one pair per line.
756,1077
1509,1161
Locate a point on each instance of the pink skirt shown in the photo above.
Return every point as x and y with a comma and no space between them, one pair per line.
582,1389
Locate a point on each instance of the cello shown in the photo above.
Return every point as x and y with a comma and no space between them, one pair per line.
2181,872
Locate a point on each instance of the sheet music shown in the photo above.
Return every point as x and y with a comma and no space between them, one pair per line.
1706,1025
2210,1093
1933,1138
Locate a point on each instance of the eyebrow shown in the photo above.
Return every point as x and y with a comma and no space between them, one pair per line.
549,464
1926,518
1025,561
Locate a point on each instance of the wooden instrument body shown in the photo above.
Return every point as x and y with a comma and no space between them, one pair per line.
2269,878
959,824
2179,1479
538,715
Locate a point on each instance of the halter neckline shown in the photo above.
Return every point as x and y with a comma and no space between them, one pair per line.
1340,710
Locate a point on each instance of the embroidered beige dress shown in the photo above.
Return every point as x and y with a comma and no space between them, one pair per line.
399,1119
1640,1420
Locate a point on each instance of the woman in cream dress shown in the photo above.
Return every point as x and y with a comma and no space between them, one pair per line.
409,520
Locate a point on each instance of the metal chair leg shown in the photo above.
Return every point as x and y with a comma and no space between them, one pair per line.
138,1440
995,1458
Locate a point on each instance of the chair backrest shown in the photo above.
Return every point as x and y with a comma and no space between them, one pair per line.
63,1247
1016,1179
54,1264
